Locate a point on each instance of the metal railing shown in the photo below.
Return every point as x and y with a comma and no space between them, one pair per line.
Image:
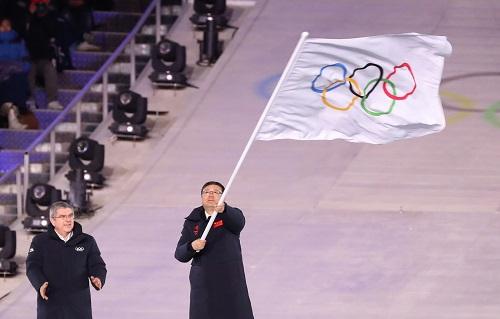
22,170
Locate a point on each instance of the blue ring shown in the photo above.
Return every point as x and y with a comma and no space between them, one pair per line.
313,83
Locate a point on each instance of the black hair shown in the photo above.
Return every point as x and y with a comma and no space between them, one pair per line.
212,183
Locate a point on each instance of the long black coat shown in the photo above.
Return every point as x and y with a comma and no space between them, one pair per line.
67,268
217,277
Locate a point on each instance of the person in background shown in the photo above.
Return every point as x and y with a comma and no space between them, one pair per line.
14,68
79,21
41,43
60,265
17,11
217,277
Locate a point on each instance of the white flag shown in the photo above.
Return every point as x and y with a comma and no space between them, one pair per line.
372,90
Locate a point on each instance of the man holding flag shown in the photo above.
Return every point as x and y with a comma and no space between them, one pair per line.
217,277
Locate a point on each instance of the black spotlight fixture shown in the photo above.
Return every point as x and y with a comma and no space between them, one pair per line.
8,267
87,155
78,196
168,61
129,115
216,9
210,46
38,200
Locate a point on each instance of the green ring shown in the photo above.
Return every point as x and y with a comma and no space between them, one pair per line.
491,116
364,98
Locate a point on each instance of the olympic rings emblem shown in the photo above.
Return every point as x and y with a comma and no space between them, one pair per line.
389,87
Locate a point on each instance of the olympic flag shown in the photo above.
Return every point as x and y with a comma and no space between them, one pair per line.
373,90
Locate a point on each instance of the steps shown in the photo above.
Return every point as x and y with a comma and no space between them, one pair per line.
111,29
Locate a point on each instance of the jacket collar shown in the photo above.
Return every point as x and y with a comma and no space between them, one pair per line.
198,214
77,231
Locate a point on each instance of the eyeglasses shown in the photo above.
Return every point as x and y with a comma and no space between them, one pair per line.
70,216
205,193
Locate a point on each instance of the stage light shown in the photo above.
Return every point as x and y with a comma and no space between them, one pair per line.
8,267
87,155
203,9
210,46
78,195
38,200
169,62
129,115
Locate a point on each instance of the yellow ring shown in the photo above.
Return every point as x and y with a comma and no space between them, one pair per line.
325,101
465,102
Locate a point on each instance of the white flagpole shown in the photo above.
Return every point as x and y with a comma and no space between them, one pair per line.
289,65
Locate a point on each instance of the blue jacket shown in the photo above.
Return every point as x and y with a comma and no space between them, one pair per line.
218,284
13,49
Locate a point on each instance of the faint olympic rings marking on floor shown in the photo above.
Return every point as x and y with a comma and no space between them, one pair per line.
465,108
265,87
491,114
365,93
465,103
